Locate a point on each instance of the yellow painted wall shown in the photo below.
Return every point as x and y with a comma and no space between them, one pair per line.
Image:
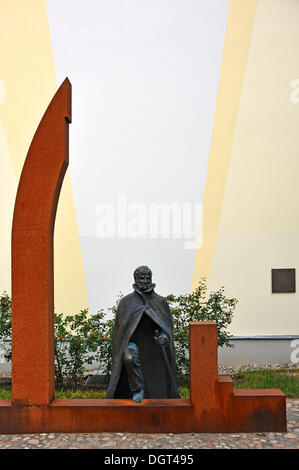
29,82
8,189
250,215
259,224
235,52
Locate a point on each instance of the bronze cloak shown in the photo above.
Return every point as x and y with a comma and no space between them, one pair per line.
130,311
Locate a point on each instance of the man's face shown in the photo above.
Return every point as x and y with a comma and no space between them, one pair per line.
144,281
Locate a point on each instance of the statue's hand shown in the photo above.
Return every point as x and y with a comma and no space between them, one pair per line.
163,339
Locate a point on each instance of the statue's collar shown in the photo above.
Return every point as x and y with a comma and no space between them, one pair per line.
147,291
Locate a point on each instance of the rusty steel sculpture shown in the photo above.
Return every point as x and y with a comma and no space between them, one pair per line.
214,406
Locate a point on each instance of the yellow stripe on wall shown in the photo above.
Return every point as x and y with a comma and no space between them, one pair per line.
8,189
240,21
28,77
259,225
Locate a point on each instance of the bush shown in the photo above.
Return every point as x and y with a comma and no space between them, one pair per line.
82,338
5,323
78,340
198,307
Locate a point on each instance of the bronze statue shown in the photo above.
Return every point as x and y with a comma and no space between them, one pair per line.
143,355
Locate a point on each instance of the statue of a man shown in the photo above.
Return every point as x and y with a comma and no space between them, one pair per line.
143,355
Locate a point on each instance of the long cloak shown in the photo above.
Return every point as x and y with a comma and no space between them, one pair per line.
138,315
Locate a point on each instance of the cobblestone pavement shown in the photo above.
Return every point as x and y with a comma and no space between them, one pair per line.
289,440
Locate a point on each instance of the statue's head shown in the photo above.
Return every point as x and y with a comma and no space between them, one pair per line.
143,277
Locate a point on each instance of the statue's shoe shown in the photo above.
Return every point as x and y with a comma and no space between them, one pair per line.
138,396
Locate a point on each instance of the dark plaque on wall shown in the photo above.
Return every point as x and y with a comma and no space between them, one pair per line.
283,280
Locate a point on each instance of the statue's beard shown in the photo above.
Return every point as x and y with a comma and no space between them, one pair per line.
145,287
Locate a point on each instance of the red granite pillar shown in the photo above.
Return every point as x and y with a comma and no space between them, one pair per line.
32,255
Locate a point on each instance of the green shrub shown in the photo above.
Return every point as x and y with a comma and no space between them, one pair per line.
78,340
82,338
197,306
5,323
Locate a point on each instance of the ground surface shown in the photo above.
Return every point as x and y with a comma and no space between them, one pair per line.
289,440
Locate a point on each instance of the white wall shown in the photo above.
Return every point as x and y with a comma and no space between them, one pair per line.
145,77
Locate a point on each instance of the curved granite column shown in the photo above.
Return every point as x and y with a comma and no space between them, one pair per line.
32,255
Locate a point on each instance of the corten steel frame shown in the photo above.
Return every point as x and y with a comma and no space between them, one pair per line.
213,406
